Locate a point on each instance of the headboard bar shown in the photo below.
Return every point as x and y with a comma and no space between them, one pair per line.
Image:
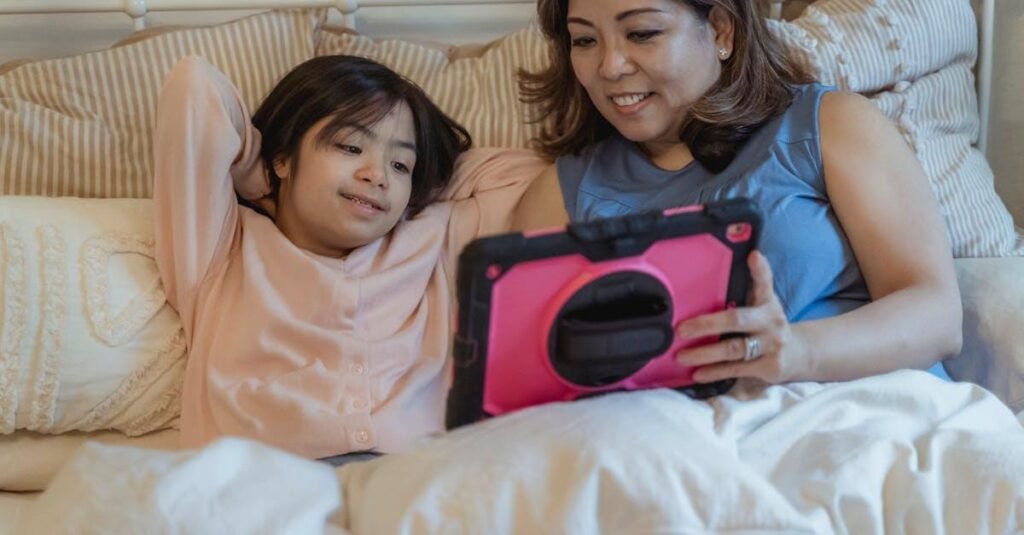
987,30
137,9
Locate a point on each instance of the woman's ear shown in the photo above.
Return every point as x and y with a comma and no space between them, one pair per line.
724,29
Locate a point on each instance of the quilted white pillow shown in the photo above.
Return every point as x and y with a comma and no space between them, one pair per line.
87,340
914,57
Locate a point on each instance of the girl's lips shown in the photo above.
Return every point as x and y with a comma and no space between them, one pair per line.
367,205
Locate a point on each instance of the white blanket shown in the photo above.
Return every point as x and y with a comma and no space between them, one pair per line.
899,453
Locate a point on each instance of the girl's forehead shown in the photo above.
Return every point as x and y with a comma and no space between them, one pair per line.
370,118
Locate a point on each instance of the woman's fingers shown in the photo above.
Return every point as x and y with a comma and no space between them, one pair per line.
733,320
762,369
761,274
761,314
763,321
730,349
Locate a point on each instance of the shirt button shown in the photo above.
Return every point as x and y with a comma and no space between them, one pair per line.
362,436
358,369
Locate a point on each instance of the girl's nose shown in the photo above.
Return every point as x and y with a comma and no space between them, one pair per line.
373,174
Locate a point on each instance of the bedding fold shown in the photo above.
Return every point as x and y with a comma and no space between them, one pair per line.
899,453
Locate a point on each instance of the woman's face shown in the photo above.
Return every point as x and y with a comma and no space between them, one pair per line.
351,190
643,63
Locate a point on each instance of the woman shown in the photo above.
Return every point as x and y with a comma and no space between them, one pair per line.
661,103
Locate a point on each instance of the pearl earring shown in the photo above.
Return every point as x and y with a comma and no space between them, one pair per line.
723,53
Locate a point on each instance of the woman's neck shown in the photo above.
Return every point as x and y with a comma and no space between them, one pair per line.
670,156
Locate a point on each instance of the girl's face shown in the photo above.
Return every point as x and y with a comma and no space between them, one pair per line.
643,63
350,191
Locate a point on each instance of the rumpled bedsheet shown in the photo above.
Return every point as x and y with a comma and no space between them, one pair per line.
898,453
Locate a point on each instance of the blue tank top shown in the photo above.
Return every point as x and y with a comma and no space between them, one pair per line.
779,168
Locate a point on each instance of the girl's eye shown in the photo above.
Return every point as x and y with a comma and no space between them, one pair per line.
644,35
400,167
351,149
581,42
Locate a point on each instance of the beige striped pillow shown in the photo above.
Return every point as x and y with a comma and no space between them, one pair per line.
81,126
479,92
914,58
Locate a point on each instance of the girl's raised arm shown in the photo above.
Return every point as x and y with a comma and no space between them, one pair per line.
203,138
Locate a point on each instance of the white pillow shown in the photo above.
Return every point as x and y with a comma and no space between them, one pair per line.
87,340
992,290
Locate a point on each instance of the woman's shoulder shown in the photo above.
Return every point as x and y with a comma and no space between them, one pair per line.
802,115
850,120
847,105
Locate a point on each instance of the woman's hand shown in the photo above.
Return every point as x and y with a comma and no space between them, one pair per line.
767,349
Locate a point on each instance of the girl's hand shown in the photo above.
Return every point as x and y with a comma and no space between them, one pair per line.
268,205
767,348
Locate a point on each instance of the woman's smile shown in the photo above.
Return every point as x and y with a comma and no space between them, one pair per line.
631,103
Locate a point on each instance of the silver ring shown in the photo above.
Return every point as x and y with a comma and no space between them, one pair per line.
753,348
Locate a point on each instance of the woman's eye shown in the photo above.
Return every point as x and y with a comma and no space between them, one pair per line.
581,42
400,167
644,35
351,149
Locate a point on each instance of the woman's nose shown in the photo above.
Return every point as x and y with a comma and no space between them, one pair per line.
614,63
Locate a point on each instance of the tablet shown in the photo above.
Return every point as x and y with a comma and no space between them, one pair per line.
591,308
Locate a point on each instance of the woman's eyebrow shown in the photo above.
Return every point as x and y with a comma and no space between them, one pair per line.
619,18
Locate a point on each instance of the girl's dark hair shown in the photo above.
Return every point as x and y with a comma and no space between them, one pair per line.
355,91
756,84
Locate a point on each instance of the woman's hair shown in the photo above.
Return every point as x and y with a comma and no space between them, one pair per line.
756,84
355,91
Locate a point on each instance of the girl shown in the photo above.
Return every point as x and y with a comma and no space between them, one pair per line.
317,315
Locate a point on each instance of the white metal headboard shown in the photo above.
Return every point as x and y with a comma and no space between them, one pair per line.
137,9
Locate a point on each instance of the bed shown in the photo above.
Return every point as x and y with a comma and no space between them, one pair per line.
103,364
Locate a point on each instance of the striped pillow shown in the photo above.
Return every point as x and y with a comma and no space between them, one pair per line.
479,92
914,58
81,126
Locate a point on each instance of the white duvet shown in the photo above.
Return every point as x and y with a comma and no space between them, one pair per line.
899,453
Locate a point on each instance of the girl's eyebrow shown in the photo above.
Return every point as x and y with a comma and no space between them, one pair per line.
400,143
619,18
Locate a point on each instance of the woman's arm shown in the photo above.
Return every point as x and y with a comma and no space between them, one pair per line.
203,140
887,210
889,213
